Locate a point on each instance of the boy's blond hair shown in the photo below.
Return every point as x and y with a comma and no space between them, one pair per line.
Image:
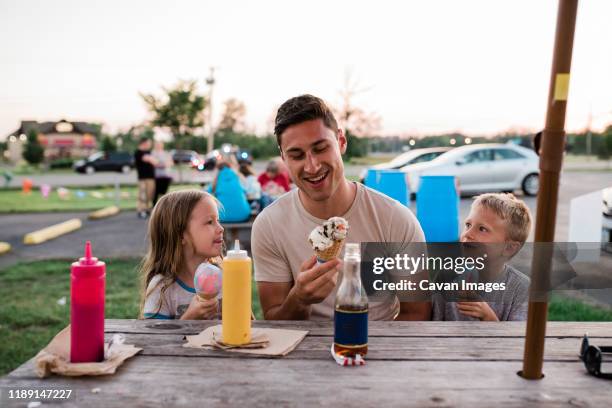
512,210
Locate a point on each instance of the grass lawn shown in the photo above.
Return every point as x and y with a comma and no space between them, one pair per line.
372,160
79,199
30,315
571,310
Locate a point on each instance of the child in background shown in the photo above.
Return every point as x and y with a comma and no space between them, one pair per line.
272,181
184,231
501,223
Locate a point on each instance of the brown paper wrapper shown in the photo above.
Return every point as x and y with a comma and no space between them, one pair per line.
55,358
280,342
258,340
330,253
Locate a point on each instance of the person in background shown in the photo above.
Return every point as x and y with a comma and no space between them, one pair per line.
537,142
162,161
273,183
284,171
227,189
145,171
250,184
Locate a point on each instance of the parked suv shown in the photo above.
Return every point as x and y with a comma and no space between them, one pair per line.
185,156
101,161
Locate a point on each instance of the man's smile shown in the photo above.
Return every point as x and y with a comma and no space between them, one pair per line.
317,181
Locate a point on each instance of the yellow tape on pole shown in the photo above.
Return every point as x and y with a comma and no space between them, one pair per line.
561,87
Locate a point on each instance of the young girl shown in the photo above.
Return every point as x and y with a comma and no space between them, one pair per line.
184,231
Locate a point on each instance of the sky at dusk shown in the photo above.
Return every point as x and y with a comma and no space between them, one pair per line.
477,67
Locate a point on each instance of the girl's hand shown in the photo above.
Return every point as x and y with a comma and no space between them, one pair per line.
479,310
200,309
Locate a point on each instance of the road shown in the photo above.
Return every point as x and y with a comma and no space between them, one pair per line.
124,235
66,179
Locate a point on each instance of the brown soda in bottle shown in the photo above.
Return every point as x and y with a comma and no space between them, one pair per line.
351,308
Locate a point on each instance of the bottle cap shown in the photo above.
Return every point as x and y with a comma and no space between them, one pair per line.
88,266
88,259
237,253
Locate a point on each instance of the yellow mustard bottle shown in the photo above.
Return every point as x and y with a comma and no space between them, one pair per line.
236,301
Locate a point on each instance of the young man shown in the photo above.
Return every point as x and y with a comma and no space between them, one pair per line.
145,170
290,282
499,225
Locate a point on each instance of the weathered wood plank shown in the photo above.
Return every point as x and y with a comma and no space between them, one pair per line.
387,329
380,348
181,381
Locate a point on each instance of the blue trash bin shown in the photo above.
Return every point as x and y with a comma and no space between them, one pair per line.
438,208
392,183
371,178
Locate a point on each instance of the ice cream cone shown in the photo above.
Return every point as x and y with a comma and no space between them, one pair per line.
204,297
330,253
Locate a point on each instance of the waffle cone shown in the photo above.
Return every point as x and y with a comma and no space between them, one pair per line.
330,253
204,297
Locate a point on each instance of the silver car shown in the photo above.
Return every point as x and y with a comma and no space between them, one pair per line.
482,168
410,157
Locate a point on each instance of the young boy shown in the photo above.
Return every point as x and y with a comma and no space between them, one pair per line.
499,223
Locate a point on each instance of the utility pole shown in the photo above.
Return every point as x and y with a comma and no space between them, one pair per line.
210,81
551,160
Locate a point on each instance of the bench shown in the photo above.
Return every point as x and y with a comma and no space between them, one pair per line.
238,230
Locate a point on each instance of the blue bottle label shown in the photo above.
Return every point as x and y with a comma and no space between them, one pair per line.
351,328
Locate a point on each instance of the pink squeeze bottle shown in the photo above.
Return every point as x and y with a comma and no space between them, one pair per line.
88,281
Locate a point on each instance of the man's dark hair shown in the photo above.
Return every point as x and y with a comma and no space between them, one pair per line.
142,140
302,109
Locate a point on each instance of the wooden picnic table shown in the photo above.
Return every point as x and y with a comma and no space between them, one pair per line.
408,364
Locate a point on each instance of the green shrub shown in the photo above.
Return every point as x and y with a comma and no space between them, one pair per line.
64,163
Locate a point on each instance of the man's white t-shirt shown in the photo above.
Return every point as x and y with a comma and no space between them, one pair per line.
279,240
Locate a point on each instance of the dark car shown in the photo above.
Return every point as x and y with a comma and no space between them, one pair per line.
185,156
114,161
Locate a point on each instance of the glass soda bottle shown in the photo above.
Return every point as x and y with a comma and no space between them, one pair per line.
351,308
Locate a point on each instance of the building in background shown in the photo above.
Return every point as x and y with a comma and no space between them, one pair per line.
61,139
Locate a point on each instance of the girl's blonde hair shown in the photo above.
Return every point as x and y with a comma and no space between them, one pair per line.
164,257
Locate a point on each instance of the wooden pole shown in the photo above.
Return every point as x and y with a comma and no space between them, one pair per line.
551,159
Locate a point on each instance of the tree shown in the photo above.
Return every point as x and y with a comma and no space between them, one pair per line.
232,119
605,147
361,123
33,152
97,130
108,144
180,110
356,146
357,123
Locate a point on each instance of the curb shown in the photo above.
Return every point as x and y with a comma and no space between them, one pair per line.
104,213
52,232
4,247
